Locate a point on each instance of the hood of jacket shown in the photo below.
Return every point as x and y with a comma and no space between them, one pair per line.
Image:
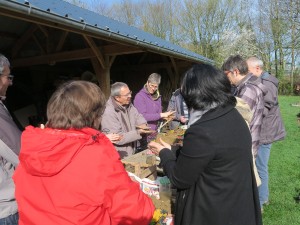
256,81
270,78
45,152
154,96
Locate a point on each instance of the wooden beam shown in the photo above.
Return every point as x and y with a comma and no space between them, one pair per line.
39,44
174,65
61,41
143,57
103,76
118,49
55,57
8,35
95,50
111,60
62,57
21,41
176,77
154,66
44,30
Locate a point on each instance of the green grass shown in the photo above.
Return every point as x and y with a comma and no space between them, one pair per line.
284,170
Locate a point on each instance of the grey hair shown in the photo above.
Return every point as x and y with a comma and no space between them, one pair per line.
115,88
254,61
3,62
154,78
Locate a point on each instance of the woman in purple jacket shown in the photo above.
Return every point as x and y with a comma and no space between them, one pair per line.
148,102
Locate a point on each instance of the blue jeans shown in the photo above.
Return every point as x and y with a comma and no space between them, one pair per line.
10,220
262,160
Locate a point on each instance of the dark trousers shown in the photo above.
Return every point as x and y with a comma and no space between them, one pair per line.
10,220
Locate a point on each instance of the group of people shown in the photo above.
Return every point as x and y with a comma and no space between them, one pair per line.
70,170
128,125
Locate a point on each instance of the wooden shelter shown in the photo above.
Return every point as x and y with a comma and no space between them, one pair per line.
50,41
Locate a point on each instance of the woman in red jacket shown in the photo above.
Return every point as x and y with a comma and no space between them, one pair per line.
70,173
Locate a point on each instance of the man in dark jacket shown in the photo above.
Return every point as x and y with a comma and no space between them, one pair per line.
272,126
10,137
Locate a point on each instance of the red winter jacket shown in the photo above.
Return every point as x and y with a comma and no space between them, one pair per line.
75,177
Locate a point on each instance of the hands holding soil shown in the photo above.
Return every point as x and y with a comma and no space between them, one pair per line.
168,115
156,147
114,137
144,129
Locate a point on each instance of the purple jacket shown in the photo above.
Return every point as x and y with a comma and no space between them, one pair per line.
149,107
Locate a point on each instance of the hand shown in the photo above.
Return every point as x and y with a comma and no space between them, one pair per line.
157,147
144,129
183,119
114,137
168,114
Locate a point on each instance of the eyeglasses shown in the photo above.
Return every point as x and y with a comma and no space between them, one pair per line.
153,86
10,77
127,95
227,72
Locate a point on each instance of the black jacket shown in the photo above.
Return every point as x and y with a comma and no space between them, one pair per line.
214,172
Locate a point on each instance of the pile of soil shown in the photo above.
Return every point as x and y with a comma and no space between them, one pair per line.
166,201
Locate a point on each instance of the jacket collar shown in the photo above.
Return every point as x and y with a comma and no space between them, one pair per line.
214,113
117,106
154,96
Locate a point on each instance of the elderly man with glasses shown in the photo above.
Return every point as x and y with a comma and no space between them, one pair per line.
121,121
10,137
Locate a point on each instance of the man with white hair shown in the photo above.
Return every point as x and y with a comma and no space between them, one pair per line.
272,128
121,121
10,137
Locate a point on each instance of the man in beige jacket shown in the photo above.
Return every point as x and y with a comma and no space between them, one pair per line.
120,120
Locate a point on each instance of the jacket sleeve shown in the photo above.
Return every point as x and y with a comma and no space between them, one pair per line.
123,198
270,99
10,138
173,107
141,106
111,124
256,103
193,158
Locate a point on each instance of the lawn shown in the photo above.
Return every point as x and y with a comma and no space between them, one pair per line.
284,168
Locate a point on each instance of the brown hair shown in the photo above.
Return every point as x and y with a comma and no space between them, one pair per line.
236,62
76,104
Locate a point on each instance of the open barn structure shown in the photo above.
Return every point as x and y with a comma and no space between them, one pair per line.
51,41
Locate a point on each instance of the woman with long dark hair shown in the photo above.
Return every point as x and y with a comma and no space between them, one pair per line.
213,171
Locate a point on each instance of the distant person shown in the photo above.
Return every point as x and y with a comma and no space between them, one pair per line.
148,102
249,88
272,126
10,142
70,173
122,119
213,172
181,115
